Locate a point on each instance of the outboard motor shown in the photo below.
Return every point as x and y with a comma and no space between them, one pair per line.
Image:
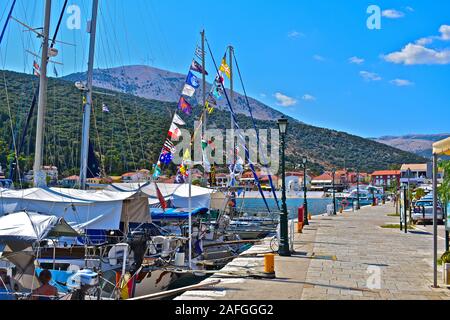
81,282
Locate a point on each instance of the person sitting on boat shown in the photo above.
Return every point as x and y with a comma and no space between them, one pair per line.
5,286
46,291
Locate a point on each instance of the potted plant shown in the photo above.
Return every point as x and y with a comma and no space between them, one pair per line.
446,267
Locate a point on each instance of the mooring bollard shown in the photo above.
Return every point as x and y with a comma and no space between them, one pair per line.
301,219
269,264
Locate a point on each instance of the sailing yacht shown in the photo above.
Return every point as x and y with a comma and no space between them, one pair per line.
116,236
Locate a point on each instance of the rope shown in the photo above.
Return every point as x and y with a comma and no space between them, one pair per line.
255,127
247,153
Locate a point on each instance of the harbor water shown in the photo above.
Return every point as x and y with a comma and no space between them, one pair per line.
315,206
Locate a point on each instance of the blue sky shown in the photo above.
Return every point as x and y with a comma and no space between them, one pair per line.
294,55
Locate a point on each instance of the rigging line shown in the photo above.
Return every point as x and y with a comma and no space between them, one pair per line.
36,92
7,21
255,128
120,57
99,141
11,126
135,98
247,153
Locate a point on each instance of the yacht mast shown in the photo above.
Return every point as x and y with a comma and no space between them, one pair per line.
92,29
39,176
205,113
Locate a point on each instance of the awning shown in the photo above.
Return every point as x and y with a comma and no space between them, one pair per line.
442,147
26,228
177,193
100,209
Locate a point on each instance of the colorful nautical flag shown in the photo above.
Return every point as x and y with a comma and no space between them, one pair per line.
212,177
199,52
197,67
184,106
169,147
218,92
211,99
187,155
157,171
209,107
174,132
188,90
184,171
160,196
224,67
166,158
192,80
36,68
177,120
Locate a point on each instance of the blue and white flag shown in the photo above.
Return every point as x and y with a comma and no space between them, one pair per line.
192,80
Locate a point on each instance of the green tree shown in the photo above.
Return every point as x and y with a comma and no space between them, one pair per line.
444,189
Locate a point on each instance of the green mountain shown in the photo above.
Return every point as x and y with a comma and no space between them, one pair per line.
130,137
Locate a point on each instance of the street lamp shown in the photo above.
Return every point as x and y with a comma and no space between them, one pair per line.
357,191
409,191
334,193
284,233
305,191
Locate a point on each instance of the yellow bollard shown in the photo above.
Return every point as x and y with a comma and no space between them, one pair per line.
269,263
299,227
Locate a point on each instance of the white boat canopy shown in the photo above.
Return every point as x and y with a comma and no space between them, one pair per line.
177,193
103,210
29,227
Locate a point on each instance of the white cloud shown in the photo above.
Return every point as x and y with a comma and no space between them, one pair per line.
401,83
263,95
284,100
445,32
424,41
295,34
414,54
308,97
393,14
410,9
356,60
370,76
318,57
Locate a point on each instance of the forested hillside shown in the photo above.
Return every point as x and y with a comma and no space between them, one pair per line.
130,136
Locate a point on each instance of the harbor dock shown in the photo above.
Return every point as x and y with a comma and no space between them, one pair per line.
345,257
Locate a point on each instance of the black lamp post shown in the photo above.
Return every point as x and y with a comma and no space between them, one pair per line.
305,192
284,229
334,193
409,171
357,191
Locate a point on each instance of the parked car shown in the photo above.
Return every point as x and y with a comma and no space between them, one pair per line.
426,205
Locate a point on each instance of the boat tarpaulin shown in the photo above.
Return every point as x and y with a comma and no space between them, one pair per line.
176,214
177,193
442,147
26,228
93,209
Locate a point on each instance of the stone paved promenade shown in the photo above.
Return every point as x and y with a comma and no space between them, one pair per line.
346,257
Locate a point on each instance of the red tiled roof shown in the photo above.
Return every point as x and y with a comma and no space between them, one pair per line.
129,174
72,178
387,173
323,177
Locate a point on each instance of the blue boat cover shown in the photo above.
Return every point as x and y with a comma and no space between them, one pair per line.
175,214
